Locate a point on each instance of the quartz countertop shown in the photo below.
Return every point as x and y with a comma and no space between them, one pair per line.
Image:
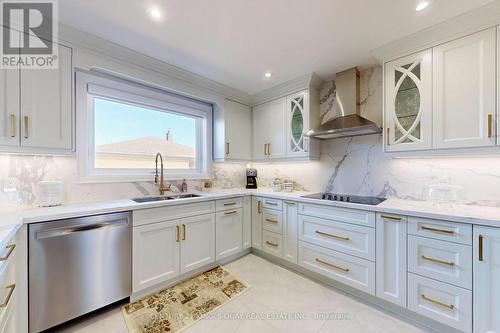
12,219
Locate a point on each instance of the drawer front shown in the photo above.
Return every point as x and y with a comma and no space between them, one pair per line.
7,253
354,216
443,261
443,230
352,271
7,290
344,237
273,220
226,204
442,302
160,214
272,243
272,203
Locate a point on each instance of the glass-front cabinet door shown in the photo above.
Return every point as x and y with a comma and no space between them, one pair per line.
408,103
297,124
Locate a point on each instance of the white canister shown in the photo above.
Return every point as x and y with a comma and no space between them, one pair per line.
50,193
276,185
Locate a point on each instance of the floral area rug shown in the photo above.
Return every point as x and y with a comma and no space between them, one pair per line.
180,306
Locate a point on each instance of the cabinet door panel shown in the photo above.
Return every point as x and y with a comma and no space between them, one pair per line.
9,107
257,217
229,231
198,242
238,126
486,289
46,105
408,102
297,121
290,231
155,254
260,131
464,95
277,129
247,222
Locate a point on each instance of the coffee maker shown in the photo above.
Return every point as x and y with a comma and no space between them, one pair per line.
251,178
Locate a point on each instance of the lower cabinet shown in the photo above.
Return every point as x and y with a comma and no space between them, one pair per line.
247,222
257,217
197,242
391,258
486,287
290,231
272,243
229,238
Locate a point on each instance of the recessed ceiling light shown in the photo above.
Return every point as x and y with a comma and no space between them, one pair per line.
155,13
422,5
268,74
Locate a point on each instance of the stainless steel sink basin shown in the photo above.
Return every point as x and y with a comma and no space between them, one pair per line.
162,198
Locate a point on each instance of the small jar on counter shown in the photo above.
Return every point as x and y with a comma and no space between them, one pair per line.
276,185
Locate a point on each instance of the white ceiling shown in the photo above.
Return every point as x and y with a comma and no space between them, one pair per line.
235,41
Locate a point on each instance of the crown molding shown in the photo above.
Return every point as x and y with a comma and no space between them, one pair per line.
479,19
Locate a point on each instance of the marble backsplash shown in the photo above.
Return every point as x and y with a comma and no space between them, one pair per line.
348,165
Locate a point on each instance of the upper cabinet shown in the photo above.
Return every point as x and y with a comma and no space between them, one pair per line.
36,111
464,96
408,105
444,97
279,128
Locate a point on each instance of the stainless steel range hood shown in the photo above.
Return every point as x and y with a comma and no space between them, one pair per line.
350,123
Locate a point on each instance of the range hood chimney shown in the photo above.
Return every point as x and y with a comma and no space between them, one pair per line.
350,123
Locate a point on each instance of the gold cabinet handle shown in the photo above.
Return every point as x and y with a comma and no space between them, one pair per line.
178,233
332,265
11,288
387,217
481,254
427,298
388,139
230,204
332,235
439,261
259,207
490,125
183,232
12,125
227,148
265,149
268,149
10,249
291,203
26,127
231,213
443,231
272,244
271,203
272,221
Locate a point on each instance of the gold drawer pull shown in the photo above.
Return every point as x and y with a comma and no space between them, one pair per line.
331,235
227,148
332,265
178,232
291,203
183,232
230,203
271,203
12,123
438,261
9,295
231,213
448,306
444,231
272,244
9,249
481,252
490,125
272,221
26,127
387,217
259,207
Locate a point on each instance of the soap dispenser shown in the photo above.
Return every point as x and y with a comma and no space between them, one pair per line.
184,186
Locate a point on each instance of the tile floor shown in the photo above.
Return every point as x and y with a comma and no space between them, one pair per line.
275,291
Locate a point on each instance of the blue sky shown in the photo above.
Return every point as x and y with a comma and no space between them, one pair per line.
115,122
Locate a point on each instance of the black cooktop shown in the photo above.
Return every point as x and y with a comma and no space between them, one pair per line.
346,198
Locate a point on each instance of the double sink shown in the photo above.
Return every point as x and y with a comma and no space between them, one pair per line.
163,197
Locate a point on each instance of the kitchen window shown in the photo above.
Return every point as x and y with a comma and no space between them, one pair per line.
122,125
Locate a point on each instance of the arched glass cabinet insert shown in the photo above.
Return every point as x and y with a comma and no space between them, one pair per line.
298,124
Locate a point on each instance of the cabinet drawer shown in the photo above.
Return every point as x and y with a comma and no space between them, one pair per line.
442,302
439,260
272,243
355,216
154,215
443,230
344,237
7,290
273,220
355,272
7,254
226,204
272,203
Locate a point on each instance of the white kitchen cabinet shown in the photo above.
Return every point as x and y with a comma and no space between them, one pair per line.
155,254
247,222
464,94
197,242
260,136
391,258
9,107
233,132
257,218
269,130
290,231
486,287
408,103
229,233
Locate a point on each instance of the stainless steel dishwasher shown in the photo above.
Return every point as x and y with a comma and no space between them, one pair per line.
76,266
